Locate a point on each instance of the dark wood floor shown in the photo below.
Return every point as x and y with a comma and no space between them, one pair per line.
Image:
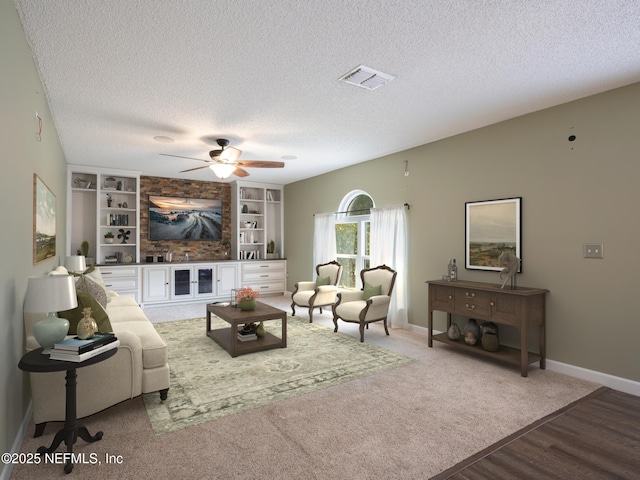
597,437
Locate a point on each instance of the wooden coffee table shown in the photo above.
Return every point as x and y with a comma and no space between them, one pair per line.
227,338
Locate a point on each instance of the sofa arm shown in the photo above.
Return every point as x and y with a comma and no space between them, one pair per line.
120,374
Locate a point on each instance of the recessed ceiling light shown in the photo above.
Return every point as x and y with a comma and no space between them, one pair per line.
288,157
163,139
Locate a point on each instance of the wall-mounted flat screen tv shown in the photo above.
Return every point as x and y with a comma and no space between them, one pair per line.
180,218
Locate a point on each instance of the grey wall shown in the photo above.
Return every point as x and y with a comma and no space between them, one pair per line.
573,193
21,95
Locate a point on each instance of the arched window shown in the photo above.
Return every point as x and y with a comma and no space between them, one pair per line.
353,235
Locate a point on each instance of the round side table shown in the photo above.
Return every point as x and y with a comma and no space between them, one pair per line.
35,361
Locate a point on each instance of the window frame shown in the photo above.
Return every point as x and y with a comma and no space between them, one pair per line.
362,257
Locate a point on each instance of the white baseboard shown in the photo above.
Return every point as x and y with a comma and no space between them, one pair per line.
617,383
15,448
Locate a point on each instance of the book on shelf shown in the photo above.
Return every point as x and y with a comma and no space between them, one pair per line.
246,336
77,345
70,356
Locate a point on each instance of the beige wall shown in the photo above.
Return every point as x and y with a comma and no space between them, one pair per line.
573,192
21,95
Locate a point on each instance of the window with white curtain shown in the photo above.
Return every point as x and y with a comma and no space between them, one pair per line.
353,227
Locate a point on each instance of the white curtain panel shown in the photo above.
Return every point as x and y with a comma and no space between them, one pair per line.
324,239
389,233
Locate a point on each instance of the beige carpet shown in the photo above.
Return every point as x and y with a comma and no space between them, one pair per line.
411,422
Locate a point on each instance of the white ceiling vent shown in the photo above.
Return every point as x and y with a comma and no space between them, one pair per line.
366,77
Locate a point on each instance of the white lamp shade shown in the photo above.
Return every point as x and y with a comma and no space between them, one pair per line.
50,293
222,170
76,263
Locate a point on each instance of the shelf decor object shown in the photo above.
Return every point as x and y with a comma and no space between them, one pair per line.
50,294
491,228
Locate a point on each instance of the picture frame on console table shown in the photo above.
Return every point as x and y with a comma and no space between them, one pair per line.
491,227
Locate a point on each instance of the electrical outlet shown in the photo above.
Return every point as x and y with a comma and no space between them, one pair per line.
592,250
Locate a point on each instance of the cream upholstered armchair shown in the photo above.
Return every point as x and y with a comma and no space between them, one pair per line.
371,304
320,293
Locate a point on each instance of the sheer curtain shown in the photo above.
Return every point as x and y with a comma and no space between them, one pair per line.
389,233
324,238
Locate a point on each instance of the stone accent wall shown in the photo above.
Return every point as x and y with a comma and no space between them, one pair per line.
197,249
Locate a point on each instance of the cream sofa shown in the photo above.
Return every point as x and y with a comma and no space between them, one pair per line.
140,366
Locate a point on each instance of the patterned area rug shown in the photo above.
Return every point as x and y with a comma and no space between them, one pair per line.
206,383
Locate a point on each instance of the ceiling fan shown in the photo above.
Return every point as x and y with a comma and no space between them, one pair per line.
224,162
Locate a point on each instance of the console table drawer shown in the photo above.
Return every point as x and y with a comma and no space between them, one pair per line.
472,302
441,298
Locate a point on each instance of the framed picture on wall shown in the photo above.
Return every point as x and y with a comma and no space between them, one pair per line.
492,227
44,221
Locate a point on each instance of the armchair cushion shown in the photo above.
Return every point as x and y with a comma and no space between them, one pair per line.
371,290
76,314
323,281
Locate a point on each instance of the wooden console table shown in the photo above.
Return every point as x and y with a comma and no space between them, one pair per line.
518,308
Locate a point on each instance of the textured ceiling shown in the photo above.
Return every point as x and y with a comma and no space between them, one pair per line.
264,74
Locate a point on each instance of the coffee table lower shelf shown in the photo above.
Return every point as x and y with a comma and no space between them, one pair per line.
222,337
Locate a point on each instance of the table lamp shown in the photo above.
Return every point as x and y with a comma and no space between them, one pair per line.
50,294
75,263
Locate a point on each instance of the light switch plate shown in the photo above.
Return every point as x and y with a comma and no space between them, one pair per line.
592,250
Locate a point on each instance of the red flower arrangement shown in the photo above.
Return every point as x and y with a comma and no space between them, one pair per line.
247,293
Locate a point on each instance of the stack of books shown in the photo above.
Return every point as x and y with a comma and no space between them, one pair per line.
245,336
76,350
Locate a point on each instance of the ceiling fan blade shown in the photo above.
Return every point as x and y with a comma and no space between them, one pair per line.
240,172
192,169
260,164
180,156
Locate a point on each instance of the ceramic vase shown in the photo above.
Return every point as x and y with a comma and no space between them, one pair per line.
454,332
471,332
50,330
87,327
247,305
260,330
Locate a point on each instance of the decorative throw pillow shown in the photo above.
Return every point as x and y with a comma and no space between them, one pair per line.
76,314
371,291
93,275
85,284
323,281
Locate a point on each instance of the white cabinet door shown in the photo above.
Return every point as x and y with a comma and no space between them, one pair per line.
155,284
227,279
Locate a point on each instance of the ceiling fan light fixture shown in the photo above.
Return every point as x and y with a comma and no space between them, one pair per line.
230,154
222,170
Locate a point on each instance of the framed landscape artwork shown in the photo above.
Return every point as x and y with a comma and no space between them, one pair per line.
492,227
178,218
44,221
